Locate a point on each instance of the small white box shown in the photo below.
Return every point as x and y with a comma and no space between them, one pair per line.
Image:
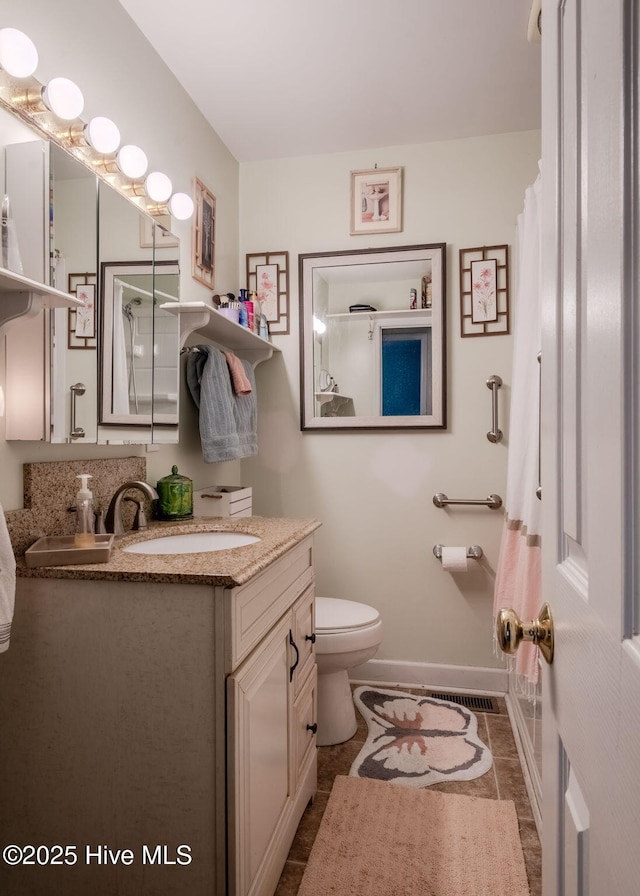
223,500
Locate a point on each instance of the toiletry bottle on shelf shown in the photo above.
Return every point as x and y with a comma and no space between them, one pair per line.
251,319
84,537
257,310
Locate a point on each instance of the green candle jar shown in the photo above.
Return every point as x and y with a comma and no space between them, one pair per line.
175,497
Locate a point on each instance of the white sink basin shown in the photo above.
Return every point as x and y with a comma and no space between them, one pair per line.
192,543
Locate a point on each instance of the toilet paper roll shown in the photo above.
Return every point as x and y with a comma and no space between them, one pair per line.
454,559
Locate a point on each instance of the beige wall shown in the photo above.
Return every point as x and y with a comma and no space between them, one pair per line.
98,46
373,491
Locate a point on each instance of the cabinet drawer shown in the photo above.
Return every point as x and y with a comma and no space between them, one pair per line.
304,725
253,609
302,629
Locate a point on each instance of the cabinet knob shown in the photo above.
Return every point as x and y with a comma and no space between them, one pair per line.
312,728
311,638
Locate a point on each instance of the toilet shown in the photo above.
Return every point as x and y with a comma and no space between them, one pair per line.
347,634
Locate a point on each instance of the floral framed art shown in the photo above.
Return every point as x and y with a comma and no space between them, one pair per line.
203,235
81,333
376,201
484,291
268,276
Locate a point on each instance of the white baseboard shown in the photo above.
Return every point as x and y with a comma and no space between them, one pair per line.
526,754
474,679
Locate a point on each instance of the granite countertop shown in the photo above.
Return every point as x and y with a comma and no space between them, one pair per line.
227,568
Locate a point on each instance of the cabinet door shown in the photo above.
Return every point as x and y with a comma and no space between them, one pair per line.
259,760
303,634
303,728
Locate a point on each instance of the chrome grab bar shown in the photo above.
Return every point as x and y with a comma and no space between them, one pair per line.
493,502
474,551
494,383
77,432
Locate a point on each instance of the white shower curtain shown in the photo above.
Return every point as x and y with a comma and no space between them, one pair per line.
518,582
120,382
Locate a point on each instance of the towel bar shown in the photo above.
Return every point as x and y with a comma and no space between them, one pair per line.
493,502
474,551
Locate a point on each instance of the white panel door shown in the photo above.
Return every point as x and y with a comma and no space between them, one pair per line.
590,458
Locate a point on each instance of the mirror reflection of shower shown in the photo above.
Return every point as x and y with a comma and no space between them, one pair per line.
127,310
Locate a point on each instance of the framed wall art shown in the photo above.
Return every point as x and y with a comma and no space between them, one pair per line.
81,332
203,235
484,291
268,275
376,201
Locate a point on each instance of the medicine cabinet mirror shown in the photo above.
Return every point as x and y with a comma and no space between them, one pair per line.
139,373
373,339
68,225
140,345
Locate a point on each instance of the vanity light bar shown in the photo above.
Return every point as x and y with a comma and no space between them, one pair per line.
64,99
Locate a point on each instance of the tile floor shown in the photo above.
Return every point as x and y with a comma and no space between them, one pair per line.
503,781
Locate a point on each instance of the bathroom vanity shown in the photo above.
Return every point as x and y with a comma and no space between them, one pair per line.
158,717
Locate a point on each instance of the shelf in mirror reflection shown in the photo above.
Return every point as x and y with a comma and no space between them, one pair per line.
21,295
325,397
422,313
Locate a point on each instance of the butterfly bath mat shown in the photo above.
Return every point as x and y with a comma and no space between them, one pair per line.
418,740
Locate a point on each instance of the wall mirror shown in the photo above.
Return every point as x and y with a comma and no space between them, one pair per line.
139,373
372,352
51,375
139,359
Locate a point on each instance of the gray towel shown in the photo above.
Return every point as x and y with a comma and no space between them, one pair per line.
228,422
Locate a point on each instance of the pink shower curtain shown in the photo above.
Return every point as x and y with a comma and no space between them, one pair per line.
518,582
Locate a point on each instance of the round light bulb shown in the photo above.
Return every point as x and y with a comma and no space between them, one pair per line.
102,134
181,206
319,326
63,98
18,54
132,161
158,186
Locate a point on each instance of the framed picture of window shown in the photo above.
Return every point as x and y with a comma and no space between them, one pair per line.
203,235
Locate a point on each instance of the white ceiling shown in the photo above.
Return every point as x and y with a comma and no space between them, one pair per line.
284,78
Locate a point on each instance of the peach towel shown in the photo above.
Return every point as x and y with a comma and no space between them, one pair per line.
518,585
239,379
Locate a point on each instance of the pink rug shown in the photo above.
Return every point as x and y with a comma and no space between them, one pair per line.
417,741
375,838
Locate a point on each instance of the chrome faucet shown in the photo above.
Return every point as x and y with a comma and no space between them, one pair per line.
113,519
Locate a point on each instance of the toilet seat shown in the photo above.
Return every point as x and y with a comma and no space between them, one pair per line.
334,616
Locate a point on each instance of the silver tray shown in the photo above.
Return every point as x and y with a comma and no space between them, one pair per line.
61,550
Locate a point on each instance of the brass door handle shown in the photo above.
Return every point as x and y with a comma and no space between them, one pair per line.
510,631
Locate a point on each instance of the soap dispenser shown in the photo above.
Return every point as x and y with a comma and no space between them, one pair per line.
85,537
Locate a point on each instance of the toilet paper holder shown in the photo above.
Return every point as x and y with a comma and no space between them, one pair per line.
474,551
